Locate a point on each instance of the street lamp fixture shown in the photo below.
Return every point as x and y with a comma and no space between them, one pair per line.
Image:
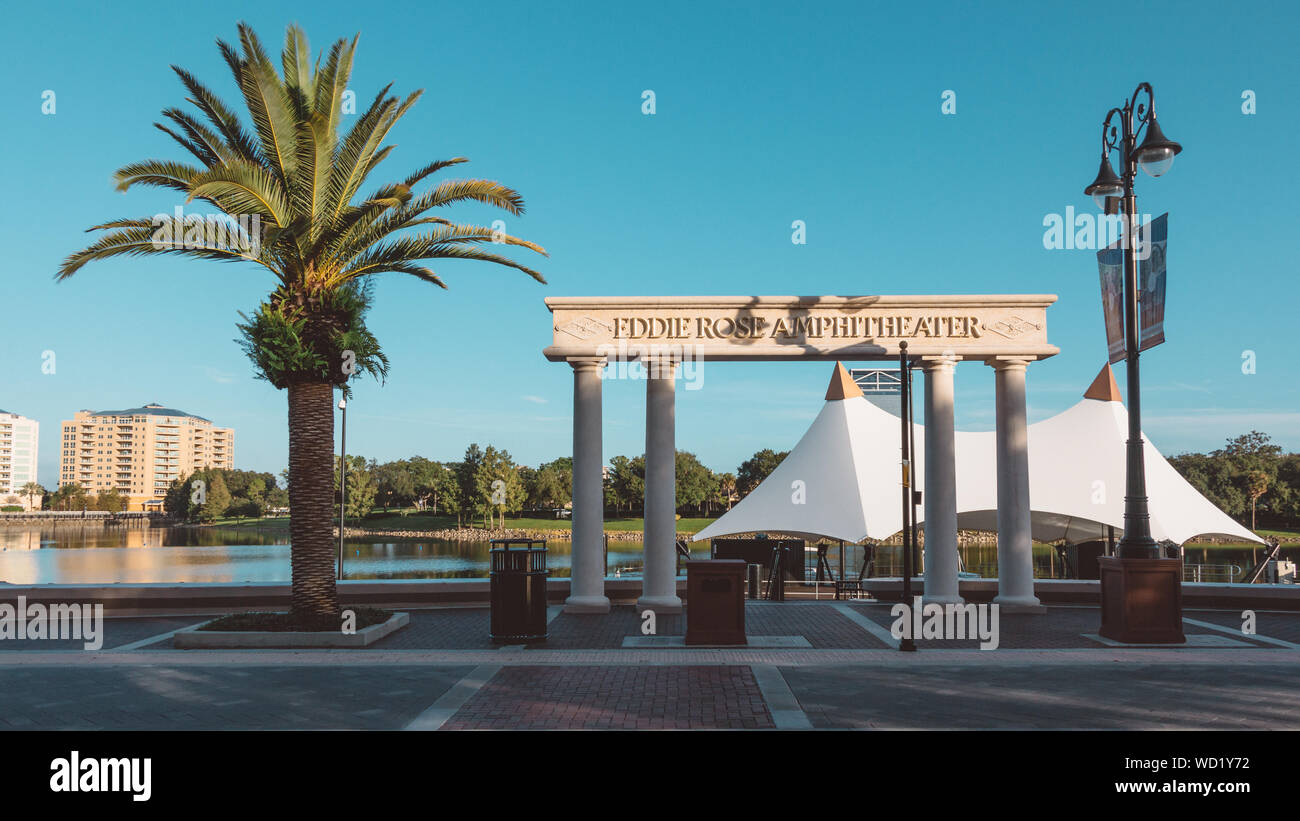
1141,592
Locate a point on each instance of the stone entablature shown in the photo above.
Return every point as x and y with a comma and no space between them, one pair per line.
806,328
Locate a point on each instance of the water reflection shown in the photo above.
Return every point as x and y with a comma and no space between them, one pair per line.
95,555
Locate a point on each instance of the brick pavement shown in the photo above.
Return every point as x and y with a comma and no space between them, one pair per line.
620,697
1045,675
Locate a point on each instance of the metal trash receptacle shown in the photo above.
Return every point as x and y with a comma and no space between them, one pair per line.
715,601
518,590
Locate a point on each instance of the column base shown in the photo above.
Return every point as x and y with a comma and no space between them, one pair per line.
659,604
1019,605
598,605
942,599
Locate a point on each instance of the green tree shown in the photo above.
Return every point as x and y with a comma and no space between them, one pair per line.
757,468
435,485
469,501
395,483
216,498
299,173
551,485
176,501
498,485
70,497
31,490
1253,461
1287,488
276,497
361,488
627,483
726,489
696,484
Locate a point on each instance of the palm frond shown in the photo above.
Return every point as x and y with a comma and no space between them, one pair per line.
247,188
140,240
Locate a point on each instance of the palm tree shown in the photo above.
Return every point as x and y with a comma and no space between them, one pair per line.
31,490
289,189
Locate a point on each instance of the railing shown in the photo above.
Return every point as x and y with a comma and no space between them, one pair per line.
1211,572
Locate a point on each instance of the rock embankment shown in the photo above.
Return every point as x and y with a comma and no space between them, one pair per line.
476,534
965,538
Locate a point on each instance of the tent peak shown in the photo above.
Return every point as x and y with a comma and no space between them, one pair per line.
842,385
1104,386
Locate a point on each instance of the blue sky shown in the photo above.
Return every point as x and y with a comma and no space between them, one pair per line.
766,113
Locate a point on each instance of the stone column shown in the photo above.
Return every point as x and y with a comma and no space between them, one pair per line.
587,583
940,482
1015,545
659,581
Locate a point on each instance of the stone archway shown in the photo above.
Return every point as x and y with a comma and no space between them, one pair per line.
665,334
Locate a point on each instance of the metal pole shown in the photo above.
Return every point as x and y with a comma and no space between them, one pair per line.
917,557
906,644
343,478
1137,542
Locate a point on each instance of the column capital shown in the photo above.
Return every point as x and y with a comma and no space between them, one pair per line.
942,362
1009,363
579,363
661,365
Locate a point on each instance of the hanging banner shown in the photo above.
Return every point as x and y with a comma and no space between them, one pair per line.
1110,262
1151,270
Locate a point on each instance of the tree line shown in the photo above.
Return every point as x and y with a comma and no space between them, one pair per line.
487,484
1249,478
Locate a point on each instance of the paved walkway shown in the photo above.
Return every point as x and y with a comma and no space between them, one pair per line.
442,673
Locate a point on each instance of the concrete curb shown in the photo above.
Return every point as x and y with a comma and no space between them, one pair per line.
196,638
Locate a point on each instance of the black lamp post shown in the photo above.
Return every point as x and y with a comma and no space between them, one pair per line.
906,644
1154,155
1125,584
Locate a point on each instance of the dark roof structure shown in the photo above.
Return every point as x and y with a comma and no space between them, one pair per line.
151,409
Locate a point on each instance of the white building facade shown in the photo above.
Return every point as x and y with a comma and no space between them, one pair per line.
19,438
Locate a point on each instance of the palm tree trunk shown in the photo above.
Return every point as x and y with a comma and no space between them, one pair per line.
311,496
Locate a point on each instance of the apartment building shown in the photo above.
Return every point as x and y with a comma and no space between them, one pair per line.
139,451
19,437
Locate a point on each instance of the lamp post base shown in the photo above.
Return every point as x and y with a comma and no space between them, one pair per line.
1142,600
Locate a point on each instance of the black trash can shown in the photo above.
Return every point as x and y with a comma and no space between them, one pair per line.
518,590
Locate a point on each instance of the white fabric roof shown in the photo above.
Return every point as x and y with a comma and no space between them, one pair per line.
1076,482
848,461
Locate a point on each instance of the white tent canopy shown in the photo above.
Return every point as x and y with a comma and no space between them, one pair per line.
841,481
848,464
1076,478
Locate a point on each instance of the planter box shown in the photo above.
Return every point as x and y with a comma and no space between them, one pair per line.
1142,600
194,638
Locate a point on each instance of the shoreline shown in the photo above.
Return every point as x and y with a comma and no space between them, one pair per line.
966,538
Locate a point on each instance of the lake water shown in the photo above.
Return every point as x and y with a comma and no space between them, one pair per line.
43,555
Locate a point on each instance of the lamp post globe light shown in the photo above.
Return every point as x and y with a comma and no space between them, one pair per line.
1141,592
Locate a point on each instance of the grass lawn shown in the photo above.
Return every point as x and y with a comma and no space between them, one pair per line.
1285,536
